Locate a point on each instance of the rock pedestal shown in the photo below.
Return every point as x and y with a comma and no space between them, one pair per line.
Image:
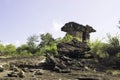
72,55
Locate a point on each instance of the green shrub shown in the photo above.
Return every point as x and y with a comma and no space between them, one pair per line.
114,45
2,48
67,38
10,49
98,48
51,49
25,53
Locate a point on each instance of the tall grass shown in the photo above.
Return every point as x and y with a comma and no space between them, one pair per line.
98,48
114,45
102,49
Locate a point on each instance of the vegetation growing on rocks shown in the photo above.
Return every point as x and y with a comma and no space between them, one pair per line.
62,54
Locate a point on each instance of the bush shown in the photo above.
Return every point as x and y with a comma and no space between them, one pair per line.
25,53
51,49
114,45
1,48
10,49
67,38
98,48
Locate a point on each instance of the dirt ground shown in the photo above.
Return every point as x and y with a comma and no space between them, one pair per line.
50,75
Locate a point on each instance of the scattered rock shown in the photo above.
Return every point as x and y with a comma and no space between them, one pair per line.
25,69
1,68
21,74
31,70
39,72
17,73
88,78
12,74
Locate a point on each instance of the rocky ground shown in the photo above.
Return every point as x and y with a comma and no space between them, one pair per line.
29,68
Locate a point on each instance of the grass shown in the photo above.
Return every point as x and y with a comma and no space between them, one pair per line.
98,48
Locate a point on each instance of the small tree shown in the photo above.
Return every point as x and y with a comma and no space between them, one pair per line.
31,42
48,44
46,39
23,50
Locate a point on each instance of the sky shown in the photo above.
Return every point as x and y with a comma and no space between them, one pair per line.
20,19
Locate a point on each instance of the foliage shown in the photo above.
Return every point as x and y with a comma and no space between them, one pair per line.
25,53
111,48
22,48
10,49
2,48
46,39
67,38
51,49
48,44
31,42
114,45
98,48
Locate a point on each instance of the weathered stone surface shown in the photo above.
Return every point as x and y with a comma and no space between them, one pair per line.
73,26
78,30
72,49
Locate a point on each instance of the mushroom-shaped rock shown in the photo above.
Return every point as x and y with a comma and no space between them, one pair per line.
78,30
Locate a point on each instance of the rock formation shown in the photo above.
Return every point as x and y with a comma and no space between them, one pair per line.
72,49
72,55
77,30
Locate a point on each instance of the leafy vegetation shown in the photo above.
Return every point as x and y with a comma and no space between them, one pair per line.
10,49
110,48
45,43
2,48
114,45
99,48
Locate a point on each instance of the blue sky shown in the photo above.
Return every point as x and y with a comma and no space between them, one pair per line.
22,18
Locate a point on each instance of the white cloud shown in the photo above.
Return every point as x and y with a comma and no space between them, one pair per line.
57,25
16,43
56,29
